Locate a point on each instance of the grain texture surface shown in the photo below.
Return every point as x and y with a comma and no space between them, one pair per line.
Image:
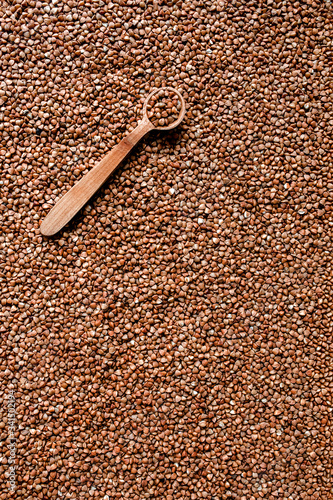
175,340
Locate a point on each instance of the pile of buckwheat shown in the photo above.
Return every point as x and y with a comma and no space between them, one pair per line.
174,341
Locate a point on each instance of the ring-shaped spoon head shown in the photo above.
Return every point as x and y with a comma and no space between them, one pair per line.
165,105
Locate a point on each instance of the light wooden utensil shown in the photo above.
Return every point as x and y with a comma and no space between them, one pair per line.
65,209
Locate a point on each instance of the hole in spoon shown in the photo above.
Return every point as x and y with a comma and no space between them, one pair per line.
163,108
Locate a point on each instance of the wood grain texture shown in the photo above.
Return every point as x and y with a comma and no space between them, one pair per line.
82,191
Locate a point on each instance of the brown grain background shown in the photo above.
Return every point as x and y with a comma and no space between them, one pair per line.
174,341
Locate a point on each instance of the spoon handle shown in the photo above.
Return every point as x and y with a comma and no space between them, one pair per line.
65,209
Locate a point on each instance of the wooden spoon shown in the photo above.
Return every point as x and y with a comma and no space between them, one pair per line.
65,209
